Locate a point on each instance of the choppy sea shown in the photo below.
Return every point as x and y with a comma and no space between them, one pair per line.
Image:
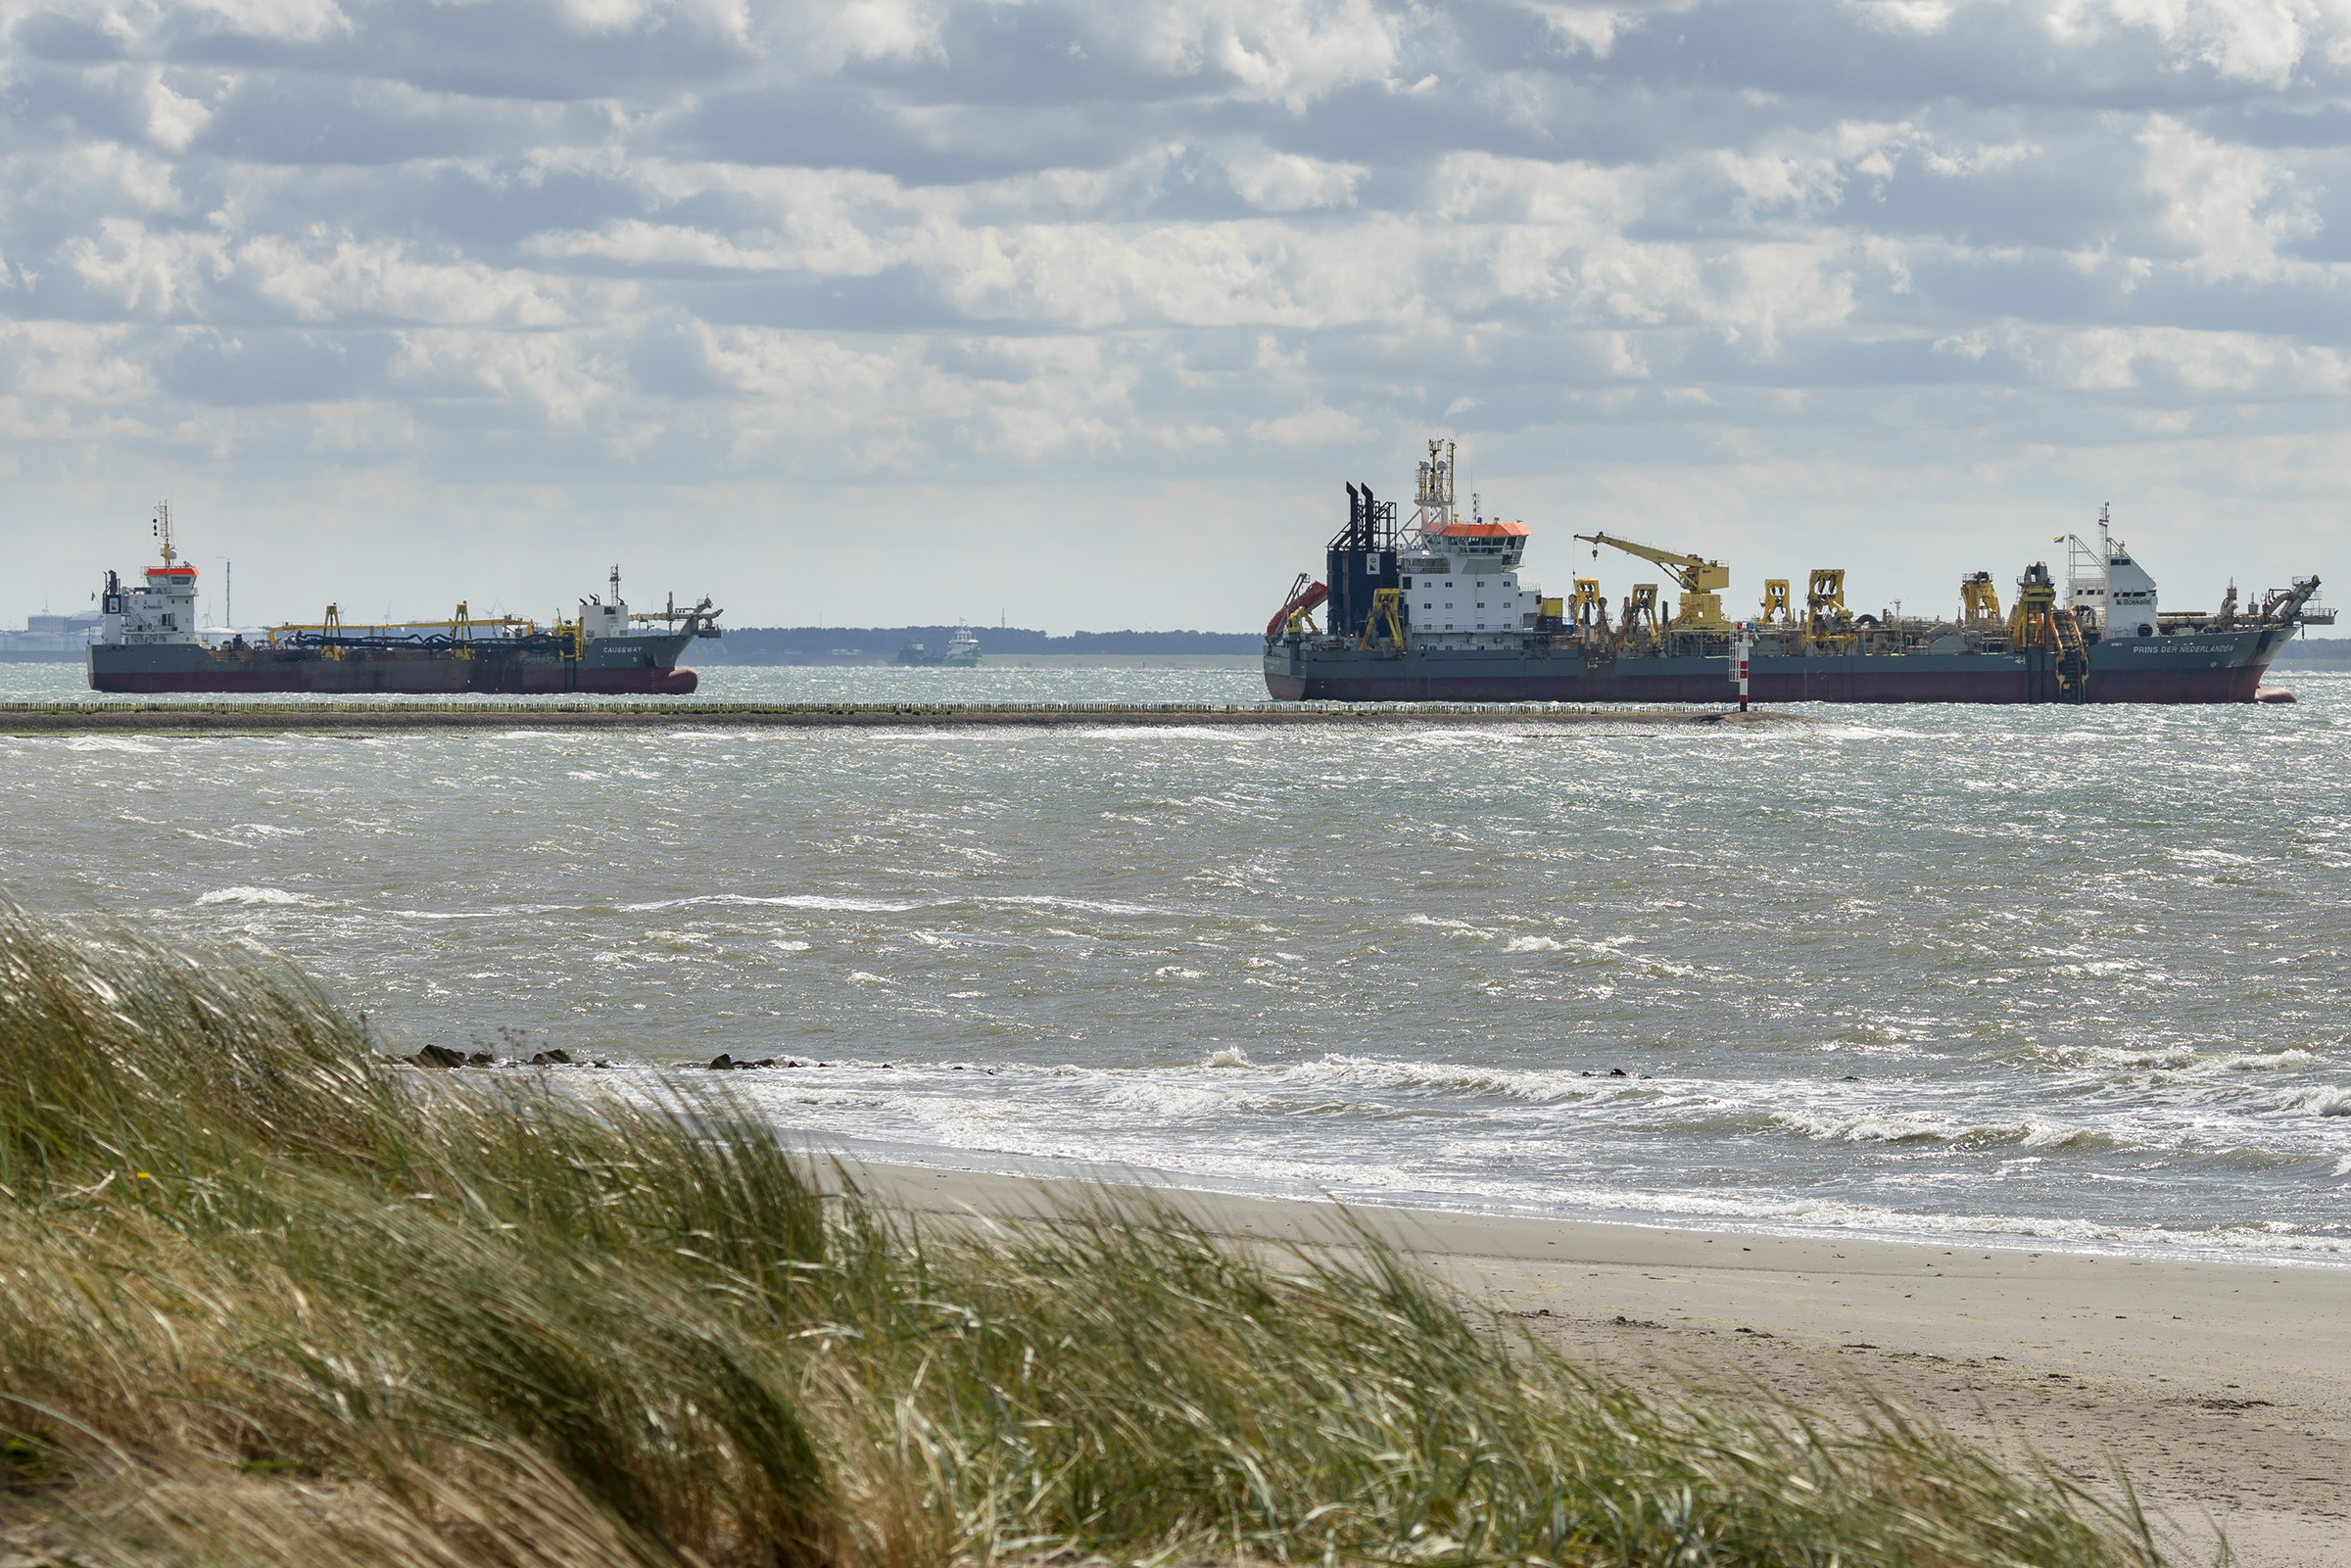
2058,976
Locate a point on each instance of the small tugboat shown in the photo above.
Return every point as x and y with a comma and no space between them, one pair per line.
962,652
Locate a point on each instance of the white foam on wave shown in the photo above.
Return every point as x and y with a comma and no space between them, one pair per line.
261,896
1019,1126
1439,923
2150,1056
1611,948
109,742
1167,731
1850,730
859,906
1155,1096
2270,1061
1091,906
1097,1119
1339,1070
1909,1126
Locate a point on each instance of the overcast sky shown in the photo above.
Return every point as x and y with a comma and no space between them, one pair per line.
890,311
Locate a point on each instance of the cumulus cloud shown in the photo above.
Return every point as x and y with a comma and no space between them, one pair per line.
1764,257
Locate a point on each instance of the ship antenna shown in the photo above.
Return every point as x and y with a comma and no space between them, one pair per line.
617,581
163,530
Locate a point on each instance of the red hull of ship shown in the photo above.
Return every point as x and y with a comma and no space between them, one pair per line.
1893,685
385,678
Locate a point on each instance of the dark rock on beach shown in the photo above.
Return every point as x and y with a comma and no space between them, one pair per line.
439,1056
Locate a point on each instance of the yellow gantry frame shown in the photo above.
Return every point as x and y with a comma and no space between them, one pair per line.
1827,621
1826,592
1979,599
2038,622
1587,607
1384,603
1640,609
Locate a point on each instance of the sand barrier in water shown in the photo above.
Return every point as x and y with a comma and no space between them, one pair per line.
204,717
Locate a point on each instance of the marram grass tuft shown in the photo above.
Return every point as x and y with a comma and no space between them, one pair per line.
265,1301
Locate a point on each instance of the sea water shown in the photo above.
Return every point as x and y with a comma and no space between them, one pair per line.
2055,976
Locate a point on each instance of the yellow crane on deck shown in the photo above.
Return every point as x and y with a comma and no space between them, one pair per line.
1701,581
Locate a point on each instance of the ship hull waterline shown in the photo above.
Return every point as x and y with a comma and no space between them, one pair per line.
642,669
2202,669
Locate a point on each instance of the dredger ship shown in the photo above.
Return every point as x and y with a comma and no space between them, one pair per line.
1435,610
150,643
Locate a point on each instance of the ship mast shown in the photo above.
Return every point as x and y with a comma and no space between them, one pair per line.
162,531
1434,497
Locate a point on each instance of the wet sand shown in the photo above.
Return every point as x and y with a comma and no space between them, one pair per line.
331,716
2223,1389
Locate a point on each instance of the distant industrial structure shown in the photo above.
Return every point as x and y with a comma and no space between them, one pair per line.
51,639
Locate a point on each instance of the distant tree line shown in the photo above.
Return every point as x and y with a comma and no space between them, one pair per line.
2317,650
817,644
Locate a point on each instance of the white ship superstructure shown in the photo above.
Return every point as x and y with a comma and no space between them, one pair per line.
1460,577
159,611
2106,587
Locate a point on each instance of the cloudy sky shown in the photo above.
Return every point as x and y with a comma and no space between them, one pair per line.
1079,312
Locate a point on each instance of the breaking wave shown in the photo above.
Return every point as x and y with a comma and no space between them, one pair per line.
278,897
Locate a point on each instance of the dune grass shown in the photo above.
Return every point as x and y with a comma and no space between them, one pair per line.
265,1301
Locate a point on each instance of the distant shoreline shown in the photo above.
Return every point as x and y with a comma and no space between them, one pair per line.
290,717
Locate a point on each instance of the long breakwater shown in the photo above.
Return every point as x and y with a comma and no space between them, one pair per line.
263,718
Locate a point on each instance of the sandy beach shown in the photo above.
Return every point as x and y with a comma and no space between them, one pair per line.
2223,1389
